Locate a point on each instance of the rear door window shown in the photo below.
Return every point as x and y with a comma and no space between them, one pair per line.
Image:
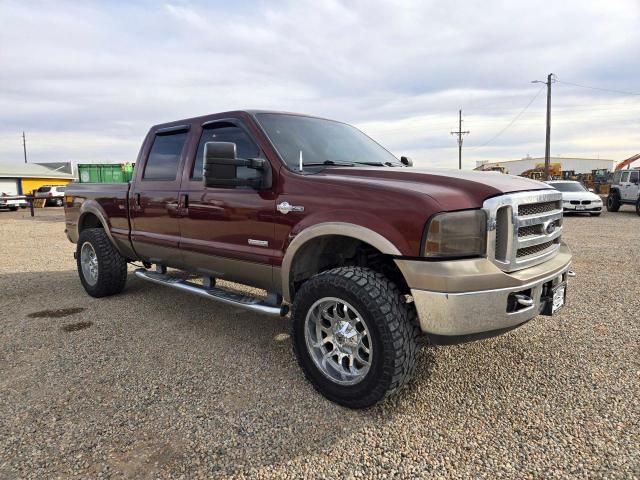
633,177
164,157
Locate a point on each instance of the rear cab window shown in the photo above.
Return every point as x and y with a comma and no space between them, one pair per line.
164,157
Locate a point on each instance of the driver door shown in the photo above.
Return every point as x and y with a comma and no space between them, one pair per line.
633,188
228,232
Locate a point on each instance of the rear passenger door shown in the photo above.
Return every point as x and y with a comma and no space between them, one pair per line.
155,197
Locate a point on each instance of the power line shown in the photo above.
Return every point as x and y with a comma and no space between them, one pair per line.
597,88
511,122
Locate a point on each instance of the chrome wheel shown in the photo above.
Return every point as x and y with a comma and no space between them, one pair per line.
338,341
89,263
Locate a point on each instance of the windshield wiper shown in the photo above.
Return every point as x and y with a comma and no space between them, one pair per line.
381,164
329,162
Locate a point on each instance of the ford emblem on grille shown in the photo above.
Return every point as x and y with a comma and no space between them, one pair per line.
550,228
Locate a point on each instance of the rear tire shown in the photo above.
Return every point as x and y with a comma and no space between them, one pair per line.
613,201
102,270
354,304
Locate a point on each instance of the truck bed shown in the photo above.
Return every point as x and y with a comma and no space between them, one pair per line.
105,202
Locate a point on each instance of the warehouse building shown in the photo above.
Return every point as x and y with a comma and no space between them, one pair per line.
24,178
578,165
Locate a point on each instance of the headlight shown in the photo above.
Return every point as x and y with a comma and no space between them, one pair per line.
456,234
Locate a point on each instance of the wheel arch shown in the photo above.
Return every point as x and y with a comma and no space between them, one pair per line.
92,216
320,239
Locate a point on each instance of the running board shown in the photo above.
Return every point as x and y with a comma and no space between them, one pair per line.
230,298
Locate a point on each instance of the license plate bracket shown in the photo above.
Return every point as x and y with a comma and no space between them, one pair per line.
555,299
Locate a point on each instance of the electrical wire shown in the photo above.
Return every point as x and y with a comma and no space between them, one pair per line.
511,122
597,88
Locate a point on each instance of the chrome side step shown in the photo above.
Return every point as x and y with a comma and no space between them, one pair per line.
213,293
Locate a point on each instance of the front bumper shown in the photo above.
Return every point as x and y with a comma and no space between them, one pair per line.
453,307
593,207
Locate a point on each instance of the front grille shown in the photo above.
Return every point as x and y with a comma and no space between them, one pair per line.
586,202
541,247
537,208
528,237
530,231
575,202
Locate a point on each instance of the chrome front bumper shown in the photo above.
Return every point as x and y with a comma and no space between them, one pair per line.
482,310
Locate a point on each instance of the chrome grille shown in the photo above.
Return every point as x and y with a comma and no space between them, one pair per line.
526,251
537,208
530,230
524,228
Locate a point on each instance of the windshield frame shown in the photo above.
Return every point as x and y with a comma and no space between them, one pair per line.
317,167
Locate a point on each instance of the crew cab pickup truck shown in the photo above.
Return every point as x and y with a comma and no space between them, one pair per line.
368,251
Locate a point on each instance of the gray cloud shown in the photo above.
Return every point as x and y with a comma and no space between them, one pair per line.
86,80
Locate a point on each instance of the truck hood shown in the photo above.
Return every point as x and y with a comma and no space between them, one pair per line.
451,189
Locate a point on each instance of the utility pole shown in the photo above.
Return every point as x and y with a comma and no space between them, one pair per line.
460,133
24,147
547,146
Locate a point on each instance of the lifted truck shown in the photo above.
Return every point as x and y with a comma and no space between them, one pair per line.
368,252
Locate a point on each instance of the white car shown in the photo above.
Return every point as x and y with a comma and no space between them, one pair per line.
576,198
54,194
12,202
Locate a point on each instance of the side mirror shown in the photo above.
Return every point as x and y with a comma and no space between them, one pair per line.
221,166
406,161
592,190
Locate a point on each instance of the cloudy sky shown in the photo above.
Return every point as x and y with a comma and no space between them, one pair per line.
86,80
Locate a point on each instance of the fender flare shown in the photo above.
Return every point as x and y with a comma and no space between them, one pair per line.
343,229
91,207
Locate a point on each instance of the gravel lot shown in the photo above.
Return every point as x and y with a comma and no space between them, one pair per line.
156,383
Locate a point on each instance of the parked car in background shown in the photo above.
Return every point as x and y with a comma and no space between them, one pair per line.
12,202
576,198
53,193
625,189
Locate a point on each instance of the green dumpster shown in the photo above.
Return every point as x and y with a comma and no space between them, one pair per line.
105,172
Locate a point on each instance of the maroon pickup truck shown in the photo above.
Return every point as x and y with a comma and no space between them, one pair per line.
369,252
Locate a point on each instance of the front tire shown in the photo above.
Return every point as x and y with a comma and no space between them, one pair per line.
613,201
354,336
102,270
58,202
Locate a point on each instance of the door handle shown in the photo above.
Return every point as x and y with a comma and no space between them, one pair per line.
183,205
136,203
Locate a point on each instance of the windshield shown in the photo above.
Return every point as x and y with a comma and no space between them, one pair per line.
44,189
568,187
321,141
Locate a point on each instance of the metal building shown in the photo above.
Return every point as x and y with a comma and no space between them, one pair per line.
24,178
578,165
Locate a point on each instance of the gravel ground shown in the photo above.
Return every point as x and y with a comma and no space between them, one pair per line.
156,383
